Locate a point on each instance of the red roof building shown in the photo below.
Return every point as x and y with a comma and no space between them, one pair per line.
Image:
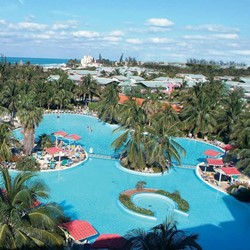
79,229
110,241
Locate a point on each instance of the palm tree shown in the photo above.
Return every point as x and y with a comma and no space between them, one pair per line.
240,137
30,116
5,143
23,224
11,97
161,237
230,112
90,87
199,113
132,119
108,105
44,141
160,143
62,99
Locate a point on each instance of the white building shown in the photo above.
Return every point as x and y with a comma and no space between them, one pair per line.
86,60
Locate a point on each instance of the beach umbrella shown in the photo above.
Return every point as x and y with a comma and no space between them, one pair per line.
228,147
73,138
53,150
229,171
215,162
211,153
59,133
79,229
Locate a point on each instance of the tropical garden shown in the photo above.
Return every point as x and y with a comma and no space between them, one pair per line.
147,129
146,139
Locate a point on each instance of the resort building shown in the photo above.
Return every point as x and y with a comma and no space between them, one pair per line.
86,60
192,77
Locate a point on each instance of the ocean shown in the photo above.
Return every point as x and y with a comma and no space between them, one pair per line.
45,62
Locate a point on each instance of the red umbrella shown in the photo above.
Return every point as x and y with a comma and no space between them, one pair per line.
215,162
79,229
230,171
53,150
211,153
113,241
73,137
228,147
60,133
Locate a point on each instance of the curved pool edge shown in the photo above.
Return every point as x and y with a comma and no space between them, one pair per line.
205,182
58,170
134,213
205,142
164,198
119,166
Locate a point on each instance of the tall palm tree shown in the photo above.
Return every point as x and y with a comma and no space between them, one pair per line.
90,87
11,97
44,141
199,113
108,105
240,137
161,237
23,224
160,144
132,119
30,116
230,112
5,142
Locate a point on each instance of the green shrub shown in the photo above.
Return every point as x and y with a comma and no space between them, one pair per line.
27,163
126,201
175,196
240,191
93,106
140,185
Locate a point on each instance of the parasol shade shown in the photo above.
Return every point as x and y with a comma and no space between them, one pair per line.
215,162
211,153
53,150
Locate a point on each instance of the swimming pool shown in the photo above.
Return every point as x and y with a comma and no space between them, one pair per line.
90,191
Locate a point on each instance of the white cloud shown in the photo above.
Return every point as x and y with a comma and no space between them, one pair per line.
134,41
2,22
157,29
159,40
42,36
65,25
116,33
212,28
195,37
86,34
29,18
226,36
242,52
28,26
111,38
159,22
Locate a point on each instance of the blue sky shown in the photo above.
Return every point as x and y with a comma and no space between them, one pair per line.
159,30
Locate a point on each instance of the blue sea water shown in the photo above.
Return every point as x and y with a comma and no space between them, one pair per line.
37,61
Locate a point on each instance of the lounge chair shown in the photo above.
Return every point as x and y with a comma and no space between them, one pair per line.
52,165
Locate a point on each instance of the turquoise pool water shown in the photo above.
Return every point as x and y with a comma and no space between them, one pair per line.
90,191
